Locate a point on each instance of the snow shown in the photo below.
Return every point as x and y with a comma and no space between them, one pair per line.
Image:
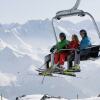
3,98
22,50
38,97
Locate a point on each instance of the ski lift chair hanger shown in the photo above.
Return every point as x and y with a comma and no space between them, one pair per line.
94,49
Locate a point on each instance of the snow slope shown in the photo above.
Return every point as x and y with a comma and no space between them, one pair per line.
3,98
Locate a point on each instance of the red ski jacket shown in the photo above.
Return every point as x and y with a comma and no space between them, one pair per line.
73,44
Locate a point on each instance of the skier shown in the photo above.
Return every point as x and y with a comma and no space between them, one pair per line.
59,56
74,44
85,42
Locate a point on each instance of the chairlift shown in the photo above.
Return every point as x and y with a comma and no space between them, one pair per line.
94,49
91,52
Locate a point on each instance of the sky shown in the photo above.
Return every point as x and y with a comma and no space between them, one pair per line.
21,11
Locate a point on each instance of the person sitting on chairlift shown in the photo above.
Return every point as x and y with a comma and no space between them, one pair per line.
85,42
59,56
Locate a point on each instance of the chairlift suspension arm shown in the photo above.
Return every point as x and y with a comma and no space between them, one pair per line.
76,5
73,8
54,31
94,22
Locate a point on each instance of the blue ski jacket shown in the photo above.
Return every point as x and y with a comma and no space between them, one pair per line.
85,42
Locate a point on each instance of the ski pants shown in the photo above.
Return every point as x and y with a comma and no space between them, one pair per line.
76,57
59,58
73,57
47,59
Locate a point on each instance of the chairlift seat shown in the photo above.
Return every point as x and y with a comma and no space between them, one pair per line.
89,52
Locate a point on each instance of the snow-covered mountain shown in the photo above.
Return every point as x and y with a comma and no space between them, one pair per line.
22,50
13,62
33,32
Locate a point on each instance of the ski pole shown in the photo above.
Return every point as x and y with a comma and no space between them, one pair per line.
43,79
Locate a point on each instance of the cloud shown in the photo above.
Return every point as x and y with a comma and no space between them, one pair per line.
7,79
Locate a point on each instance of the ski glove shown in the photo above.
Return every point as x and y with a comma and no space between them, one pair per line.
78,51
52,49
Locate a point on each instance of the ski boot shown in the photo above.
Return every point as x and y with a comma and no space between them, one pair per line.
75,68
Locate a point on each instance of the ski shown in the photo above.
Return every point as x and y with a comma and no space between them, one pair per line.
50,73
40,70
